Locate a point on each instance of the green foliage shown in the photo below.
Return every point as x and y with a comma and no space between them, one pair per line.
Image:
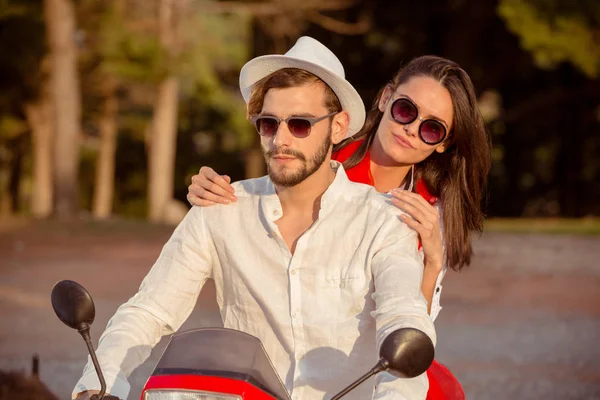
556,31
218,47
11,127
211,51
123,44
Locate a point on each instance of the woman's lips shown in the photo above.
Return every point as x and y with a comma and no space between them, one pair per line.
403,142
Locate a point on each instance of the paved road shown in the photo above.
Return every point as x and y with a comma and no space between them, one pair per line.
523,322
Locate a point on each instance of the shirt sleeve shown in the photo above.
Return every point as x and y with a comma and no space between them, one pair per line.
399,303
164,301
437,292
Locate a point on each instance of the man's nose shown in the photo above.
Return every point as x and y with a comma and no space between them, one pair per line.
283,136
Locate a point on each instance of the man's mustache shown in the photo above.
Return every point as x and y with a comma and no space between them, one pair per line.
284,151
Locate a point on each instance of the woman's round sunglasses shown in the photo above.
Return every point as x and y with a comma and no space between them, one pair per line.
300,127
405,112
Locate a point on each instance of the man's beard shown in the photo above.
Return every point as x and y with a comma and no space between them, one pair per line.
289,178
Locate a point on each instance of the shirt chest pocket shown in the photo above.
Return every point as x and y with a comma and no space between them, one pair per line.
349,292
343,282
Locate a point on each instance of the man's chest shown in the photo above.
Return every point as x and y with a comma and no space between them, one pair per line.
328,265
292,227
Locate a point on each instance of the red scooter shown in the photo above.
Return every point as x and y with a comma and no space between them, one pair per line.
225,364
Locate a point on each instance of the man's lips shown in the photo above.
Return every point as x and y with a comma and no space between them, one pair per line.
403,141
283,159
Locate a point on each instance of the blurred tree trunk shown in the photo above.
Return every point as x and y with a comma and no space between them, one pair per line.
60,28
104,184
164,120
262,43
162,148
40,119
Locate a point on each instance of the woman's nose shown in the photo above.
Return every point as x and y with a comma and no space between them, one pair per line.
412,128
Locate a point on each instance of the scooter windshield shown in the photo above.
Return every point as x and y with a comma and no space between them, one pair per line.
221,352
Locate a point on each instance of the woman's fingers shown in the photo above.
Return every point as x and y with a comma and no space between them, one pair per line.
209,190
197,201
412,223
417,204
415,212
220,181
198,189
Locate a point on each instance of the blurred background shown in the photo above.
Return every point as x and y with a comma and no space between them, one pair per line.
108,107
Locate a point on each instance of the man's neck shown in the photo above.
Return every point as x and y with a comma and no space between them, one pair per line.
304,198
387,174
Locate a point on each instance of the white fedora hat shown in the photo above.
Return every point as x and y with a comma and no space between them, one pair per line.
312,56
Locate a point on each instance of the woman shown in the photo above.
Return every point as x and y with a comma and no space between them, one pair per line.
425,141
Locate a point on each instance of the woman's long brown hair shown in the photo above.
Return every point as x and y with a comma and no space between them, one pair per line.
458,175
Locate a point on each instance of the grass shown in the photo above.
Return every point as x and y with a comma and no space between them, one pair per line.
583,226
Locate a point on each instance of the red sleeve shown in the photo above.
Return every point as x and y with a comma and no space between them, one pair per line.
422,189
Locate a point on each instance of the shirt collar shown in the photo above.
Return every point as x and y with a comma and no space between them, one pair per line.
271,205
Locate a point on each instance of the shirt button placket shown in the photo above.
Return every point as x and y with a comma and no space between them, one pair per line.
296,312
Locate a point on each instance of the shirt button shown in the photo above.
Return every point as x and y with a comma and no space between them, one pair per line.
293,272
342,285
295,315
437,290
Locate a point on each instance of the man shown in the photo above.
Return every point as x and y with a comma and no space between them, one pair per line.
320,269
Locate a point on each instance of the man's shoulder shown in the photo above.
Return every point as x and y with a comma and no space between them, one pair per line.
253,187
363,203
367,196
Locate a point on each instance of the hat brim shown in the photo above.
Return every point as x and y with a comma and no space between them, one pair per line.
260,67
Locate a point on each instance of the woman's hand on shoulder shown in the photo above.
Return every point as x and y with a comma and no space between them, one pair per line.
424,218
209,188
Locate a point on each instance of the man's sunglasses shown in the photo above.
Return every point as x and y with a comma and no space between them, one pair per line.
405,112
299,126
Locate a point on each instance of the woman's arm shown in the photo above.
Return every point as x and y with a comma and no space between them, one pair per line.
424,218
430,283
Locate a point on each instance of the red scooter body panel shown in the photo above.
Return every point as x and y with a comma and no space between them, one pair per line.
213,384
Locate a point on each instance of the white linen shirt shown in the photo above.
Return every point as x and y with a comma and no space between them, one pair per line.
320,313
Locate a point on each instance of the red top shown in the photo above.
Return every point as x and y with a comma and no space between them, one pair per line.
361,172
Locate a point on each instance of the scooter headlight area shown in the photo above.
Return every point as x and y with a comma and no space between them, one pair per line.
187,395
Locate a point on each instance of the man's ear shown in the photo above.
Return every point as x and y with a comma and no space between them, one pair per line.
339,126
385,97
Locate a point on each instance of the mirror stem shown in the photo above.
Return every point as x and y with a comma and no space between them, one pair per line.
84,331
382,365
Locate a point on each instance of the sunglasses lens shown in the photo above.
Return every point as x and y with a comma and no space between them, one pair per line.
432,132
299,127
404,111
267,126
